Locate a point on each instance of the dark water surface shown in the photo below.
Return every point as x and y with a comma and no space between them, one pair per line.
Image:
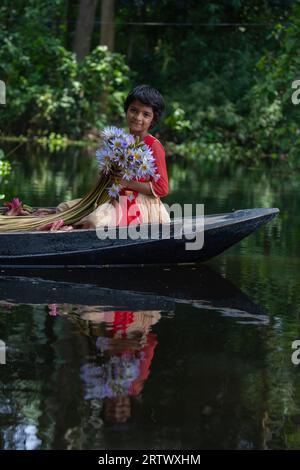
186,357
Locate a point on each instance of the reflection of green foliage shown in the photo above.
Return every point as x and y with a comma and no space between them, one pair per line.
54,142
45,179
5,169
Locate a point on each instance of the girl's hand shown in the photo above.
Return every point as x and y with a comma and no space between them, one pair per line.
124,183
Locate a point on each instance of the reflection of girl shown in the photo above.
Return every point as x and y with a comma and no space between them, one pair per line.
125,347
121,373
126,355
144,107
124,343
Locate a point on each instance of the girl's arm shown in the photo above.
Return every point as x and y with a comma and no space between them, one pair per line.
140,187
160,188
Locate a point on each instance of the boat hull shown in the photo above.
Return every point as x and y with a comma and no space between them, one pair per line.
84,248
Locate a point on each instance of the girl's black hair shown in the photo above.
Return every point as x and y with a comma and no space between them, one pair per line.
148,96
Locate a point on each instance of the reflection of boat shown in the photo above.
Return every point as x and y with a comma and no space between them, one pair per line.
150,288
83,247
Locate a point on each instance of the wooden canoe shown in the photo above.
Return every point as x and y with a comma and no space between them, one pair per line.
84,248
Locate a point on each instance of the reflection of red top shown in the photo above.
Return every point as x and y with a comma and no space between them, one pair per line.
160,188
145,363
122,320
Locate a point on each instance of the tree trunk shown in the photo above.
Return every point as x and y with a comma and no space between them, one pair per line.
107,24
84,28
130,45
71,16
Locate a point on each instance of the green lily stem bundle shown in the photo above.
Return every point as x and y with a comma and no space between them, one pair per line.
119,156
97,196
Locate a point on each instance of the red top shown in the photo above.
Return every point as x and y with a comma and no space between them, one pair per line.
161,186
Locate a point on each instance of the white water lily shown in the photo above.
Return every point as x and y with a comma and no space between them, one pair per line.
124,156
114,190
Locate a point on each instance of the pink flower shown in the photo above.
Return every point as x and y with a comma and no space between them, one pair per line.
42,212
15,207
56,226
53,311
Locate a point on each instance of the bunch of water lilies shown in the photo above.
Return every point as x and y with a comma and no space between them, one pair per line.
112,378
120,156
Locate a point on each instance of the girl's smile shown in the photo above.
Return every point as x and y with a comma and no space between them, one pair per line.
139,118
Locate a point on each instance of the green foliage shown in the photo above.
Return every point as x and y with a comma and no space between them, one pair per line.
104,77
273,118
260,122
227,88
4,165
175,121
230,81
5,169
46,88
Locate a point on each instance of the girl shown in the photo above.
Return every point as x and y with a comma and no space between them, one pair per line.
144,107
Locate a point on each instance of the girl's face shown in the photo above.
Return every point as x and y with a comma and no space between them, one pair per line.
139,118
